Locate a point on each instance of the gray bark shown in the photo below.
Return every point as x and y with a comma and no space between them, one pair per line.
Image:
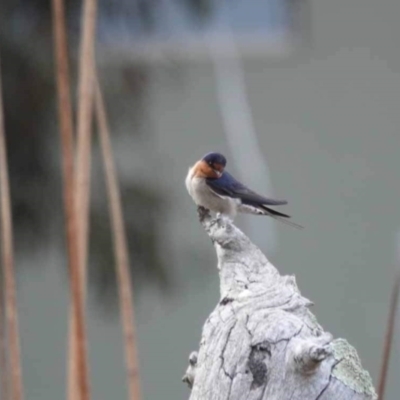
261,342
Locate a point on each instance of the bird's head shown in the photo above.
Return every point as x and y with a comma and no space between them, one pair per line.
213,164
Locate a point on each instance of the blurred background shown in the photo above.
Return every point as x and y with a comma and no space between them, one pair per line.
303,98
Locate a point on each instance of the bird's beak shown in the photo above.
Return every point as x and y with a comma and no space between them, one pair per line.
219,173
218,169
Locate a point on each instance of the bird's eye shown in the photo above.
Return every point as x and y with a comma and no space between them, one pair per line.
210,163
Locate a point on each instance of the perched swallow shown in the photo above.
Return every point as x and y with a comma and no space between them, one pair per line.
212,187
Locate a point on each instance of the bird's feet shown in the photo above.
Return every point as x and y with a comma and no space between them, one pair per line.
203,213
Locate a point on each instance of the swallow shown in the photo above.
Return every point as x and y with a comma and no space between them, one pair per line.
211,187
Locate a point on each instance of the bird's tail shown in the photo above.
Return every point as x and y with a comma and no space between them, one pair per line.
281,217
285,221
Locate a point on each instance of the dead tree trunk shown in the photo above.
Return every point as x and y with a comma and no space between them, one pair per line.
261,342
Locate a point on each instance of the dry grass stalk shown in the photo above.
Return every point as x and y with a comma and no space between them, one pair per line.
389,336
82,190
11,312
3,351
120,248
67,143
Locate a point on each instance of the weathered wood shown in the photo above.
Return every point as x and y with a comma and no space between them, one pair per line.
261,342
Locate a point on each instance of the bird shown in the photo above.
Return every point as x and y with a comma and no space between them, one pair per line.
215,189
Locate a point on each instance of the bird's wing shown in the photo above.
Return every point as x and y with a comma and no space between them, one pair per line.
227,185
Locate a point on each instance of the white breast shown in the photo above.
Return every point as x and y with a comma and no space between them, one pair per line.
204,196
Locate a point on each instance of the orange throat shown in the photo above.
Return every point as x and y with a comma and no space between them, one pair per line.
202,170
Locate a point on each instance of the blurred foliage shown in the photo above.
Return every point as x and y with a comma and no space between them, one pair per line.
199,9
147,264
26,47
26,103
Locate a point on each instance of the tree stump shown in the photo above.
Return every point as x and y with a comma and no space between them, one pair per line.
261,342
